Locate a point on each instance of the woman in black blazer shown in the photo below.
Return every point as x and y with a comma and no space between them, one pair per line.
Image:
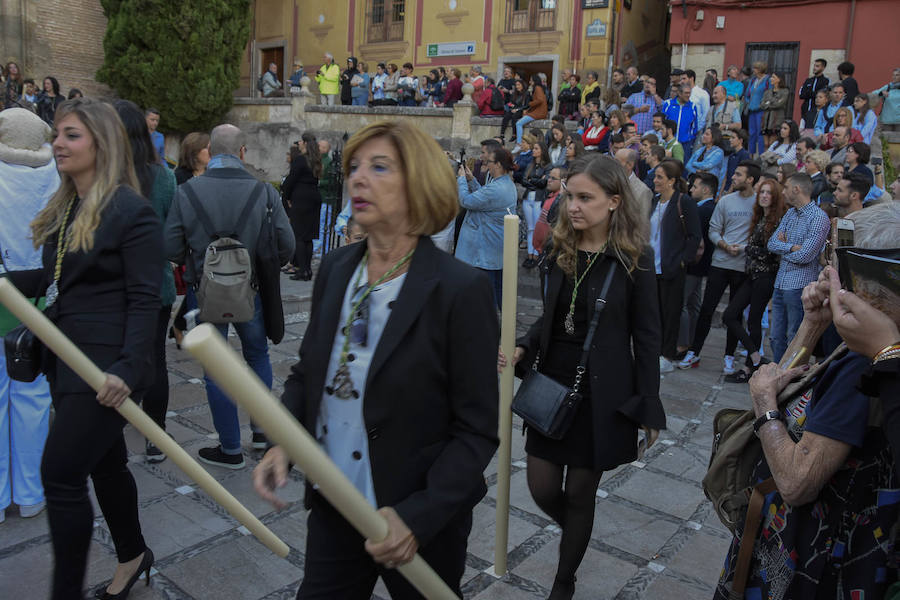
598,230
675,237
103,265
395,377
300,190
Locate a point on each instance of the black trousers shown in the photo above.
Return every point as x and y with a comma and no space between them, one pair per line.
339,568
156,398
509,120
716,282
757,293
303,254
671,297
86,440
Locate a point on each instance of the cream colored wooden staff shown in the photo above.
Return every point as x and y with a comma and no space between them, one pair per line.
69,353
508,347
242,385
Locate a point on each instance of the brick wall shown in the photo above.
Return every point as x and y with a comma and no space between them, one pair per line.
65,40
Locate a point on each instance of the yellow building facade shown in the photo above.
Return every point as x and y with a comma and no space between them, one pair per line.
531,35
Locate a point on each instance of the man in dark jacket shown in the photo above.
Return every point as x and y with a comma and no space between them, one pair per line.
811,86
223,192
703,190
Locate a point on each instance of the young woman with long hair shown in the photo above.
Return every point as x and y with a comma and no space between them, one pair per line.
158,186
557,147
514,108
103,259
773,104
301,193
761,268
535,182
598,231
13,86
865,120
784,149
48,99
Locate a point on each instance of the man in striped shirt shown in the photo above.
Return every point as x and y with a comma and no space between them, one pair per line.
799,240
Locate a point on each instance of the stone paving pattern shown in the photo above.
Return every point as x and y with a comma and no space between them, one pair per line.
654,537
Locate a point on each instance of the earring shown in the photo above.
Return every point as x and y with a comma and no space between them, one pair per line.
611,209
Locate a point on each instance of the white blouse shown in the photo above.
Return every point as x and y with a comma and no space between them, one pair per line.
340,426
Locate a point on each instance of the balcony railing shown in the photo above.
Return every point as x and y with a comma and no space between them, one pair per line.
532,19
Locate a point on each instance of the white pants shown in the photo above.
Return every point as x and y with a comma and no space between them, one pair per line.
532,210
327,99
24,419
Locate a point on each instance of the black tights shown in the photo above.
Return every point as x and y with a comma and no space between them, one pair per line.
572,507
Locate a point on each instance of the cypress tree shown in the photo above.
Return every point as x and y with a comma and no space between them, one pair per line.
182,57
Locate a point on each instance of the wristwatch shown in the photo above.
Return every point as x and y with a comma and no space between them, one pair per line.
769,415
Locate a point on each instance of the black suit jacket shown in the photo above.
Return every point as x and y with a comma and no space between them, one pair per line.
678,242
623,362
109,296
431,398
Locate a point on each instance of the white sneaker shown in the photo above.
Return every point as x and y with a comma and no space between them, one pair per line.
31,510
728,369
741,351
690,361
517,149
665,365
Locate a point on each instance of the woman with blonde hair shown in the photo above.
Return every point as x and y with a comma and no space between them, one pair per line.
395,377
598,237
103,259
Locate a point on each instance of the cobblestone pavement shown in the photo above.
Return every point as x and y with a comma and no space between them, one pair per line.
654,537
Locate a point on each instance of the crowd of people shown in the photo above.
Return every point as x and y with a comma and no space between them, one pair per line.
637,220
22,92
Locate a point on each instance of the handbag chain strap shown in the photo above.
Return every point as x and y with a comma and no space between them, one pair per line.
599,305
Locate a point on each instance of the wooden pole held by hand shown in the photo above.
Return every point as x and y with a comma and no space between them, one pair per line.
508,347
70,354
242,385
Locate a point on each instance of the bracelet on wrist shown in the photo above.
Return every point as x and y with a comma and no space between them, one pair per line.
887,353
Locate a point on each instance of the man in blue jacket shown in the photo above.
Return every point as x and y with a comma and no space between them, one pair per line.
684,112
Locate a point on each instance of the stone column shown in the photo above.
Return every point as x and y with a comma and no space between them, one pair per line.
300,102
12,32
463,111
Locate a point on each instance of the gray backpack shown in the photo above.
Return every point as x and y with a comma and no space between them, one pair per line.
225,289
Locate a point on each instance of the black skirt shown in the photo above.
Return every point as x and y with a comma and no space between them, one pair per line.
576,448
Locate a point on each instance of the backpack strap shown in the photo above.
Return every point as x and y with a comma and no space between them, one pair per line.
201,214
748,539
681,216
251,202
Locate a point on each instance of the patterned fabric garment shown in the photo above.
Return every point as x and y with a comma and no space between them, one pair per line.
759,260
837,546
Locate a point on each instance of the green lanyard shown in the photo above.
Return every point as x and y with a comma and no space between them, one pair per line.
350,318
569,322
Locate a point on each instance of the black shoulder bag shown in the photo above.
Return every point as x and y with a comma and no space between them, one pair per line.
546,405
22,348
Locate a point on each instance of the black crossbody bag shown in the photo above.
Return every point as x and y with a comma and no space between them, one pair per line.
546,405
22,348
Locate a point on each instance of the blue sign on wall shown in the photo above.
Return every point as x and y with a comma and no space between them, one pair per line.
596,29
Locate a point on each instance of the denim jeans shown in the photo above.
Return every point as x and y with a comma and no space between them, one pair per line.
532,210
255,349
757,142
787,310
520,126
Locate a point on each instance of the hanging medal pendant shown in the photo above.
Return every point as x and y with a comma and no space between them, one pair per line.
52,294
569,324
342,384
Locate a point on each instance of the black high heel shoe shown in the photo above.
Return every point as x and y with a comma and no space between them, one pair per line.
146,564
562,589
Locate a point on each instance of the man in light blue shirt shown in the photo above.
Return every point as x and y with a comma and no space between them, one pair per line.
799,240
480,242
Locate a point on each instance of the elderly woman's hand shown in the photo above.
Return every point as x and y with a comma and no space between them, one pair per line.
866,329
113,392
767,383
816,308
400,545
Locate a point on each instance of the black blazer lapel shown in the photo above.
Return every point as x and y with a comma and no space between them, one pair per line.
555,279
420,281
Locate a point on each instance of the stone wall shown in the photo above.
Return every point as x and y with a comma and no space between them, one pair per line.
273,124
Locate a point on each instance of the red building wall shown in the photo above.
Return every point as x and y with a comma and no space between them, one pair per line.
874,46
